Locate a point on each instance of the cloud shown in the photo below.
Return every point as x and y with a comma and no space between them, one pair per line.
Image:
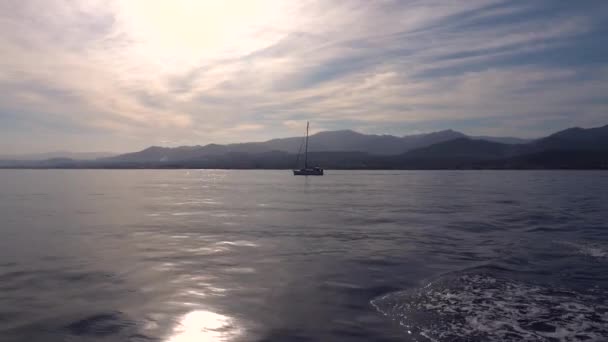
129,74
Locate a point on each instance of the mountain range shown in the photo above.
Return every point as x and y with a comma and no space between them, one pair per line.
329,141
57,154
577,148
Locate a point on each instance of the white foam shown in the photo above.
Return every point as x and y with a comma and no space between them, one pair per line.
588,249
482,307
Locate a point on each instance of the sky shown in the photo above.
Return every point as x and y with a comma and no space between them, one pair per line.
114,75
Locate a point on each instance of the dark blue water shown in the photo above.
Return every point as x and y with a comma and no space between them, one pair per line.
264,256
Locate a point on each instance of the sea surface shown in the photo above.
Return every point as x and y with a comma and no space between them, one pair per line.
211,255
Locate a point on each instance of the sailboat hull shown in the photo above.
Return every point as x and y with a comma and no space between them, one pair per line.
308,172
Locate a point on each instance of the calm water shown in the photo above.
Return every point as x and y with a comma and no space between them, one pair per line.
265,256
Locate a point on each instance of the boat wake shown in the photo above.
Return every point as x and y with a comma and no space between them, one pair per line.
480,306
595,250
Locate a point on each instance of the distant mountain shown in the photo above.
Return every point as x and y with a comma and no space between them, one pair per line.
160,154
464,148
557,159
330,141
58,154
503,140
574,148
571,148
575,139
348,140
578,139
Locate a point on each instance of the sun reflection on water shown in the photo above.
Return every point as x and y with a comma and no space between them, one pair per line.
204,326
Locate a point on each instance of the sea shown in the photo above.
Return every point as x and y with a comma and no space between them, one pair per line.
263,256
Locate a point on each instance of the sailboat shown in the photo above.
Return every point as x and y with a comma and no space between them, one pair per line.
307,171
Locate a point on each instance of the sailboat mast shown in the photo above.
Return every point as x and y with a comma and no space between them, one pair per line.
306,150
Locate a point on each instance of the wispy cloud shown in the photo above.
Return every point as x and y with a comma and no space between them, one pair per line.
121,75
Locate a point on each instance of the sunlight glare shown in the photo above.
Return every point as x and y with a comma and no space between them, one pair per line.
188,31
204,326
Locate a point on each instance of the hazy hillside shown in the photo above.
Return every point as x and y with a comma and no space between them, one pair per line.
464,148
503,140
58,154
331,141
571,148
574,139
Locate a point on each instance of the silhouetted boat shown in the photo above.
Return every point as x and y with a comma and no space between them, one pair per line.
307,171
